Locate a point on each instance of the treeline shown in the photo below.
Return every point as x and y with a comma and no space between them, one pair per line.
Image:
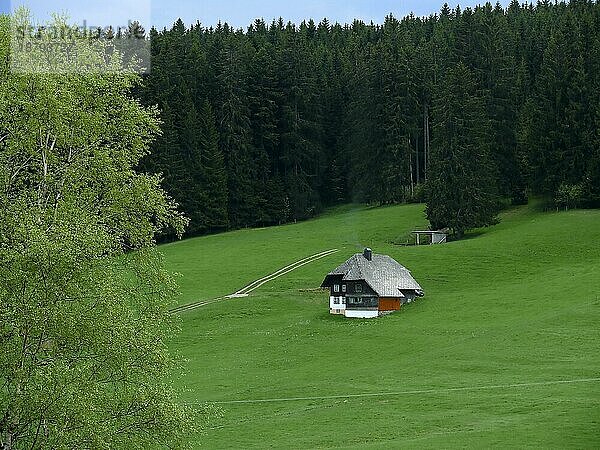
273,123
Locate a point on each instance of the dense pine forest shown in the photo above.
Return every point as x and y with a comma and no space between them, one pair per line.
273,123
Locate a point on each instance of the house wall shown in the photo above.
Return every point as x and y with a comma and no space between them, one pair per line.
350,287
338,300
389,304
359,287
336,281
361,313
347,287
362,301
337,304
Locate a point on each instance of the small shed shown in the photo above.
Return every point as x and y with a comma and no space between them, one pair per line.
435,237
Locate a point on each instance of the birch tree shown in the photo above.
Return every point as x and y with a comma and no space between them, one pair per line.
83,293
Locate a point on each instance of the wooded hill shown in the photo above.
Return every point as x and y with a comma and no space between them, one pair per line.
273,123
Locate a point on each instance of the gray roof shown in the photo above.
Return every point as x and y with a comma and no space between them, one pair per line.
385,275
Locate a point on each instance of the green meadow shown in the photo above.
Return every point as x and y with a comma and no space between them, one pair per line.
494,355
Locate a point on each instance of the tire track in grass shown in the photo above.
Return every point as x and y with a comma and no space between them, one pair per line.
412,392
246,290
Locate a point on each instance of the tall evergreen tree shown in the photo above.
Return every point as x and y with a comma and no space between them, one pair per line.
235,138
460,192
213,176
557,140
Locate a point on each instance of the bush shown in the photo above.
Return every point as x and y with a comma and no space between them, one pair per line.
569,196
418,195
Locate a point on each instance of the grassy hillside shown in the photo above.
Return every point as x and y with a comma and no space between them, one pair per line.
217,265
515,304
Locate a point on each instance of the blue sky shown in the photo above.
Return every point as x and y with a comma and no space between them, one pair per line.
239,13
4,6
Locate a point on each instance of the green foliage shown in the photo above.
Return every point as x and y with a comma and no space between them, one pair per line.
569,196
313,115
558,115
418,195
460,192
213,207
83,297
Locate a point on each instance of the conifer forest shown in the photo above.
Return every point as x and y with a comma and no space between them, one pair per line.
273,123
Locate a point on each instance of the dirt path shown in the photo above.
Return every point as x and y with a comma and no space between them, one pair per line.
246,290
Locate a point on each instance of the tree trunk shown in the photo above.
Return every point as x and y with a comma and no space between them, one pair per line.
426,139
418,162
412,181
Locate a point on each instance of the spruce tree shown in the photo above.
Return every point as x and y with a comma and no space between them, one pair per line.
460,192
213,175
557,143
235,140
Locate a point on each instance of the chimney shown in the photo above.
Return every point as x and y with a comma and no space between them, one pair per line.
368,254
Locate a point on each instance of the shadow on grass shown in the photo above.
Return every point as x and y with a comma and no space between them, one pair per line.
471,235
330,318
340,320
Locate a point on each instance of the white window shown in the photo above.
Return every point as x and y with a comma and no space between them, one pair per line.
336,288
358,287
343,288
